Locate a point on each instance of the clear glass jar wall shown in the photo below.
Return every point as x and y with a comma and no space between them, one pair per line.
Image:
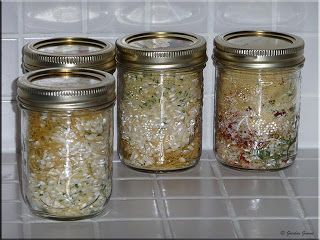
257,117
67,161
160,118
67,141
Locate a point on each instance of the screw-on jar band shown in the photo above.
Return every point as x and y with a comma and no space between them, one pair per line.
66,89
161,50
69,52
258,49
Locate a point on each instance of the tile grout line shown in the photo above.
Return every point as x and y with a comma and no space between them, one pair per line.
115,35
230,209
96,229
162,208
26,227
273,15
20,37
147,16
292,196
84,16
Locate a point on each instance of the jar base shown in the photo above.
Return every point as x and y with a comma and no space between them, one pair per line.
235,167
160,170
45,215
56,218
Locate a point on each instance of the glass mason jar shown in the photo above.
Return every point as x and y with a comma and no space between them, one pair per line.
69,52
257,99
160,98
67,141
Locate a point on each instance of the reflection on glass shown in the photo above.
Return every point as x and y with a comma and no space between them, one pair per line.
296,13
164,13
233,13
254,204
60,14
130,16
161,14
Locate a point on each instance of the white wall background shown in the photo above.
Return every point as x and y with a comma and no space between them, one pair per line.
23,21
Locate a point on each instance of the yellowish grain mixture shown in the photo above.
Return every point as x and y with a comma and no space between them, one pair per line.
69,161
159,119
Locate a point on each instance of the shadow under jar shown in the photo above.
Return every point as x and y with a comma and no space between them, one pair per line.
69,52
160,98
67,141
257,98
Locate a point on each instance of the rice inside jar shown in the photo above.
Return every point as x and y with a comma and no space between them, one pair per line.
257,99
160,98
67,141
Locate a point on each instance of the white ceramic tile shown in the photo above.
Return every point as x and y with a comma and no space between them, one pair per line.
178,16
308,154
10,191
9,172
227,172
310,207
296,17
190,187
275,228
133,208
8,124
254,187
259,207
308,131
52,17
234,16
196,208
208,73
314,226
10,65
207,154
133,188
121,171
131,229
116,17
201,170
11,211
305,187
9,158
62,230
212,229
310,78
302,169
207,122
12,230
9,17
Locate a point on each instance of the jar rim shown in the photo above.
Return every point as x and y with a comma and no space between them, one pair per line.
58,88
63,52
258,49
161,50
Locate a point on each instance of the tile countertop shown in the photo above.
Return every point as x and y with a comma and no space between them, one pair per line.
207,201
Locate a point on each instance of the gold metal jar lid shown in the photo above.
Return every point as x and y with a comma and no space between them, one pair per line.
69,52
66,89
258,49
161,50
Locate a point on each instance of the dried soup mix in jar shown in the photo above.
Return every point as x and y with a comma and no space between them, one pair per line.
257,100
160,95
67,139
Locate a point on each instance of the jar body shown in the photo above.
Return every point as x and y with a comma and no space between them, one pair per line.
159,118
257,117
67,162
